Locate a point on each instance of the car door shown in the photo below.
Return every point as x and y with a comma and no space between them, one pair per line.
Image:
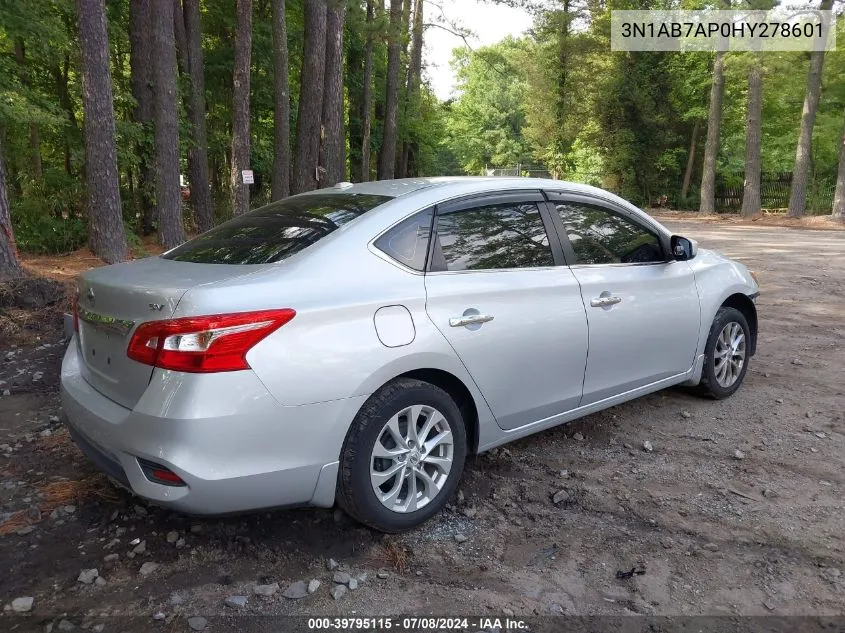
514,318
642,306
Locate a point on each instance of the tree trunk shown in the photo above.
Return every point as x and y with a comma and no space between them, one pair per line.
753,140
35,151
62,79
402,101
711,146
353,82
690,159
406,29
280,187
414,73
10,266
387,155
106,236
801,169
140,62
180,37
333,154
839,195
171,230
200,197
367,98
309,117
240,107
34,133
563,94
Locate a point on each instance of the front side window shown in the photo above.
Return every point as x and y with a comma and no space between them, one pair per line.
276,231
599,236
508,235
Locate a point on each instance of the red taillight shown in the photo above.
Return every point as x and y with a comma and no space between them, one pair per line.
159,474
206,343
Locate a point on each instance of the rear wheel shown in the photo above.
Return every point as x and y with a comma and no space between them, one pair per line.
403,456
726,354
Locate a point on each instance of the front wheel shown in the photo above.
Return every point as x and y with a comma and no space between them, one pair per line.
726,354
403,456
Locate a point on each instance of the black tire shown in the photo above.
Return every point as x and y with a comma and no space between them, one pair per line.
709,385
355,492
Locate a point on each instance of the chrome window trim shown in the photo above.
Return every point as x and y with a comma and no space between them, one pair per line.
493,270
623,264
384,256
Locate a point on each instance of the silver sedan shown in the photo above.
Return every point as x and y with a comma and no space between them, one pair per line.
355,344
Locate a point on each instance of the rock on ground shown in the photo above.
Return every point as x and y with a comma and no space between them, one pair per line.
266,590
87,576
559,497
22,605
236,602
296,590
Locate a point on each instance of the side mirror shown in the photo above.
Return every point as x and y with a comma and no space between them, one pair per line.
683,248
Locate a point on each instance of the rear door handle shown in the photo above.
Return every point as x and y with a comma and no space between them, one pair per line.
603,302
470,319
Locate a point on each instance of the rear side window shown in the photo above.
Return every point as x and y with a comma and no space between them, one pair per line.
407,242
508,235
599,236
276,231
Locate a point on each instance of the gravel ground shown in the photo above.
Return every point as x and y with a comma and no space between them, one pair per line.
737,510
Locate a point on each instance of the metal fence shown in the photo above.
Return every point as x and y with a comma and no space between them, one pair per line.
540,171
775,188
527,171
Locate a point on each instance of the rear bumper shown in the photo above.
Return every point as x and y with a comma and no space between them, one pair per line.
101,459
236,448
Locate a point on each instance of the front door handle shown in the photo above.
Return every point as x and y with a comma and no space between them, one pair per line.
470,319
603,302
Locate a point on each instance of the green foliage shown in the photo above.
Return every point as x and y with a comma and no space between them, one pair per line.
436,155
50,220
485,124
557,96
624,121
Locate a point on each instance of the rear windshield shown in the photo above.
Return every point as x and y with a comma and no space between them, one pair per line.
276,231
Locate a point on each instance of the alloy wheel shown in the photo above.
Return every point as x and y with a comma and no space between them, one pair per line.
729,354
411,458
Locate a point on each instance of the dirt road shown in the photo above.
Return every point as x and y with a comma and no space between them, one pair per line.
738,509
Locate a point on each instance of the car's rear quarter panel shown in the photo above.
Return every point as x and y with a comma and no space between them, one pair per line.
331,350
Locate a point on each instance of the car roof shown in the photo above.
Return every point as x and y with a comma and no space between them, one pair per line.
448,186
441,188
404,186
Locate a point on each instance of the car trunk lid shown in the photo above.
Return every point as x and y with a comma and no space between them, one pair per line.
114,300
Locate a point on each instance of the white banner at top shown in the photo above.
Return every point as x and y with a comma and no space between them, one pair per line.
780,29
